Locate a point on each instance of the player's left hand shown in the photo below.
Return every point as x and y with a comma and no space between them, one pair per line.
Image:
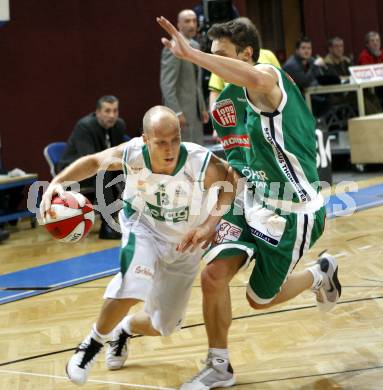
203,234
179,46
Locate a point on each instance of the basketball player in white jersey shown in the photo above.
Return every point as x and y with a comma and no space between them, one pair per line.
166,206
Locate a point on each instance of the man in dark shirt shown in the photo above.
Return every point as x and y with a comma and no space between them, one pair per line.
304,70
302,67
337,63
93,133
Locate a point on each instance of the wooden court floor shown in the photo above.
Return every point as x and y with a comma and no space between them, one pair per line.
292,346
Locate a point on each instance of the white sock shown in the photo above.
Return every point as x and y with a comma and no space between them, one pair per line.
101,338
317,276
125,324
219,352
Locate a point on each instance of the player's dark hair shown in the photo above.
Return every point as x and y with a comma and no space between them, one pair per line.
241,32
105,99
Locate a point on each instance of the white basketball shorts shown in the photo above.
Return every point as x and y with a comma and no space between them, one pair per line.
156,274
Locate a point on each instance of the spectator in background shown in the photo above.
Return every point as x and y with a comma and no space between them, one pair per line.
302,67
181,84
337,64
371,54
93,133
216,84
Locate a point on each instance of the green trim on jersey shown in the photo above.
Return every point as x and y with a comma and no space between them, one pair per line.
128,209
145,154
180,163
201,177
124,162
275,151
127,253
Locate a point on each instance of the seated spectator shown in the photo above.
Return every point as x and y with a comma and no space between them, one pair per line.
371,54
336,63
93,133
216,84
302,67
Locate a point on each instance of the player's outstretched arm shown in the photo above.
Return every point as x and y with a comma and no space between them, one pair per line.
231,70
83,168
218,174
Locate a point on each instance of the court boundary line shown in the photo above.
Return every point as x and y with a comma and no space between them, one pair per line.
331,373
197,325
89,380
312,375
61,285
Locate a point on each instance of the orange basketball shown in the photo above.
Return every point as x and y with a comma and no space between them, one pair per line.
74,217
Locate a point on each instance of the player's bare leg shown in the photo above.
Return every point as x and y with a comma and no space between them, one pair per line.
112,312
215,281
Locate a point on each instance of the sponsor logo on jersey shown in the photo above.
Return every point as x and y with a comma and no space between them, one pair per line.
143,271
253,175
224,113
162,214
227,232
235,141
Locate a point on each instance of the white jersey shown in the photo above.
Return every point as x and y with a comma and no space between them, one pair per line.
169,205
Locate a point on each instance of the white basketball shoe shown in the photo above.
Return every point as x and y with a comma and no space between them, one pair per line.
217,373
80,363
329,291
117,351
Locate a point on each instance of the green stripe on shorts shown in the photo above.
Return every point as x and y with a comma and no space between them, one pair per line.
127,253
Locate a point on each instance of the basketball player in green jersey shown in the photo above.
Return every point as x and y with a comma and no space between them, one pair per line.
166,201
268,135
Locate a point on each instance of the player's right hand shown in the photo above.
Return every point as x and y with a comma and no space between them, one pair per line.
179,46
46,201
200,237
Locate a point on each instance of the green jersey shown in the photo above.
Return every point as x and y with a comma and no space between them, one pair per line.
276,151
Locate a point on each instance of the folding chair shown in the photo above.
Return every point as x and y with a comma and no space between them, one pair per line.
52,154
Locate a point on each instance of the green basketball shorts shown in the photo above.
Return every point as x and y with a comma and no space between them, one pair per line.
276,242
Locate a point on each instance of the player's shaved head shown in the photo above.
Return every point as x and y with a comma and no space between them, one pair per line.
162,137
159,118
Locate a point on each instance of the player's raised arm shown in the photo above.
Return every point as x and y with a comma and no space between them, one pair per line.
218,174
231,70
83,168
